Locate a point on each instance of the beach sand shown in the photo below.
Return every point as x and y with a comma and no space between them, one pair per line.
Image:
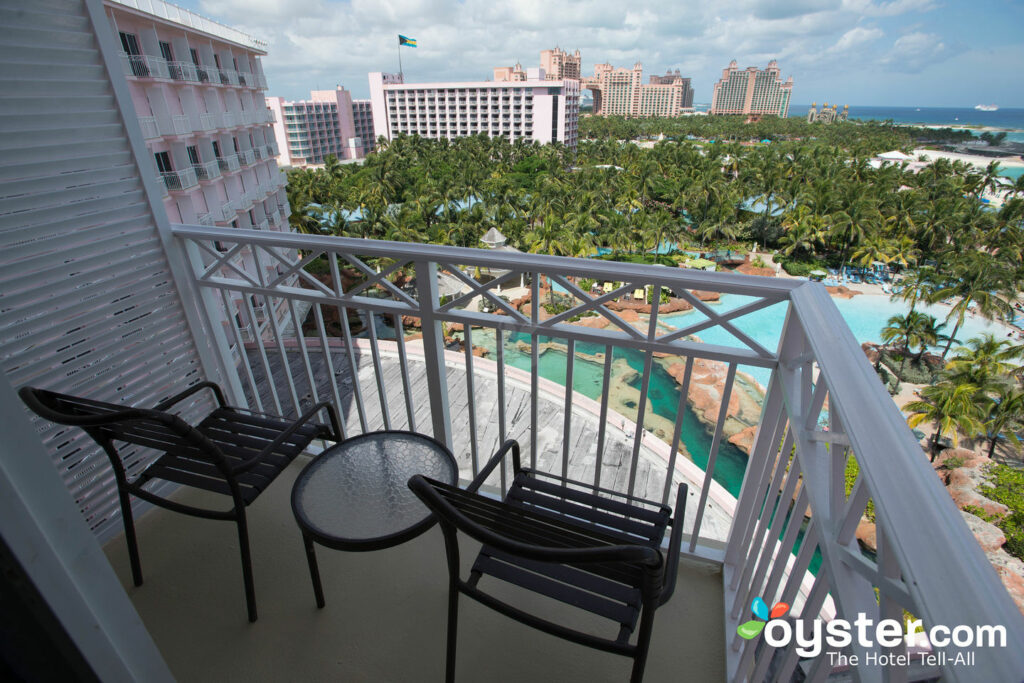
974,159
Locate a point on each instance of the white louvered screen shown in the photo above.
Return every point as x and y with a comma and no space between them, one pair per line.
87,302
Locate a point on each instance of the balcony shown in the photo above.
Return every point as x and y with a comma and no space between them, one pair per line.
207,219
259,152
207,121
180,125
263,225
178,181
227,120
228,164
228,211
208,170
183,71
247,157
149,127
144,66
823,404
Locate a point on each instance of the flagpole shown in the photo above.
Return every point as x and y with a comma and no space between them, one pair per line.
400,60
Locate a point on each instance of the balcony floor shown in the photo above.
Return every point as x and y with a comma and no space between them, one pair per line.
385,613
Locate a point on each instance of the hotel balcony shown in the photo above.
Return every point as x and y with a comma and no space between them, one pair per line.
208,170
207,219
180,125
227,120
207,121
178,181
150,128
246,157
229,211
228,164
183,71
260,152
823,405
144,66
263,225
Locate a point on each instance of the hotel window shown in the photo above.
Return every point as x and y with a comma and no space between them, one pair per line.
163,162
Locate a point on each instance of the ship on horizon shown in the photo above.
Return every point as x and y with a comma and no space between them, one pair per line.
986,107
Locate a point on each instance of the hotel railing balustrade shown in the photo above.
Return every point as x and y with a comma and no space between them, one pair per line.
207,170
228,164
177,181
791,536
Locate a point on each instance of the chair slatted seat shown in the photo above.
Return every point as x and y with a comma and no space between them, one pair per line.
598,551
233,452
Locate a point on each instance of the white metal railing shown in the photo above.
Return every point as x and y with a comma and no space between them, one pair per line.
207,170
792,509
207,219
259,153
275,217
228,164
263,225
179,15
183,71
181,125
228,120
162,184
250,198
244,79
180,180
286,210
246,157
149,127
207,121
144,66
228,211
228,77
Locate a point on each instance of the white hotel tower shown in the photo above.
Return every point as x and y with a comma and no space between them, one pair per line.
535,110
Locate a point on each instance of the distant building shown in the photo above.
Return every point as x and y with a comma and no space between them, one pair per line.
308,131
559,65
752,91
510,73
827,114
556,64
198,97
362,118
534,110
621,92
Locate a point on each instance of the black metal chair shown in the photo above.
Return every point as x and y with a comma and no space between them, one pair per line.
232,451
598,552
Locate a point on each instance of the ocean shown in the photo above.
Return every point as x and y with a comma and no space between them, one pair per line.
1008,119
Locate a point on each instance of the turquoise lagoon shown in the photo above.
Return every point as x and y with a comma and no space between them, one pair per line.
866,315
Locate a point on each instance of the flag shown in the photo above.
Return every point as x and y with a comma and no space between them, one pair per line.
402,40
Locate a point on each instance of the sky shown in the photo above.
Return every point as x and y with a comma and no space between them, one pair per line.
866,52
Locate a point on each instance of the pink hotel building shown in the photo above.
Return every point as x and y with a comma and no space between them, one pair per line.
197,88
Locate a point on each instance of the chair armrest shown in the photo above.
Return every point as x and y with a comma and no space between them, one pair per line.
496,459
674,544
432,498
164,405
273,445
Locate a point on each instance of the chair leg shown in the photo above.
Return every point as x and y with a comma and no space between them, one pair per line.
243,544
643,642
314,570
453,628
129,535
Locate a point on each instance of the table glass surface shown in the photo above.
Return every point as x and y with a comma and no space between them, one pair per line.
358,489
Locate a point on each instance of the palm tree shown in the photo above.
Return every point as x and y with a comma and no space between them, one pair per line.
985,361
915,329
977,280
952,410
1005,417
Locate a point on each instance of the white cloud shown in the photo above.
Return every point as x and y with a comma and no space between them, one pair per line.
320,43
856,36
916,51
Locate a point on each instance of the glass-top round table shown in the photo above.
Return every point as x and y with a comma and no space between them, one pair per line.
354,496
